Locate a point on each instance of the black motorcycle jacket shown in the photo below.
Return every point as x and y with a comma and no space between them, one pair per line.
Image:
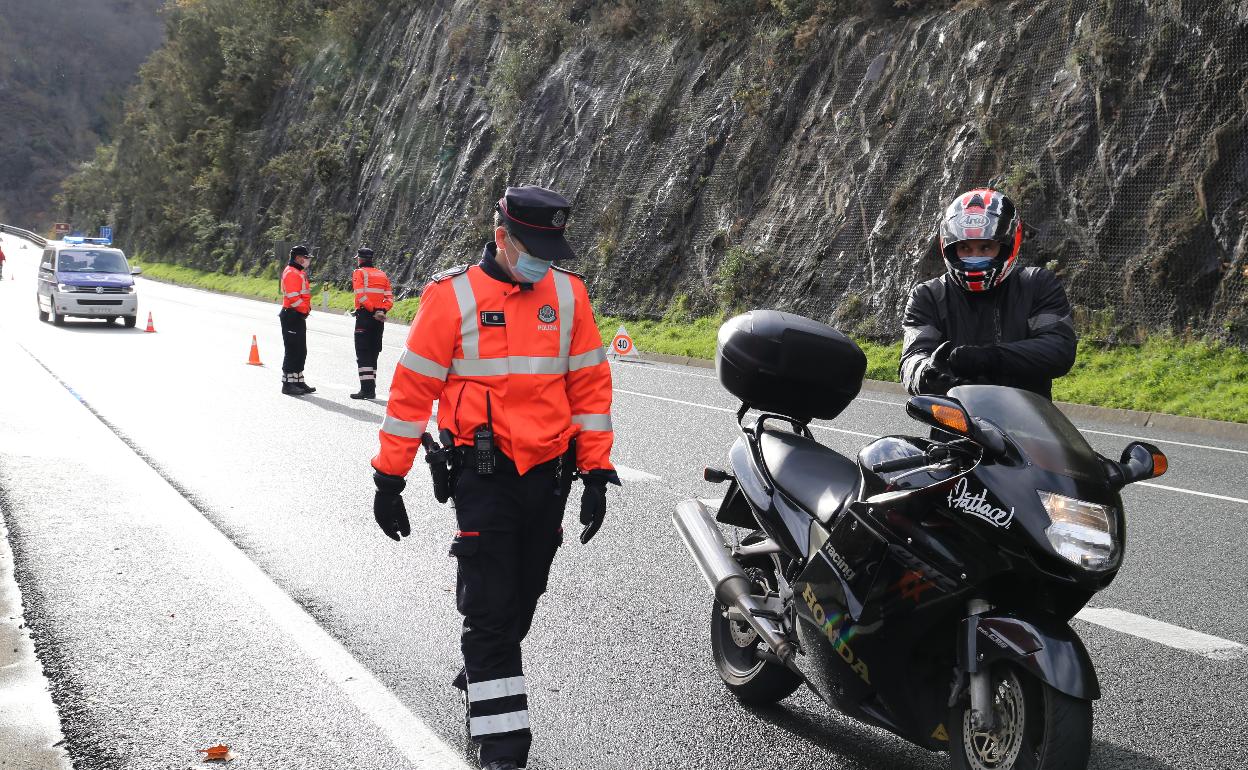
1027,318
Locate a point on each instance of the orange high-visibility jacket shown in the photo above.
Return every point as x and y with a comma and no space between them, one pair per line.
372,289
296,291
536,351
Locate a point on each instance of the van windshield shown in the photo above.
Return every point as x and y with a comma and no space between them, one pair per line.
1038,427
92,261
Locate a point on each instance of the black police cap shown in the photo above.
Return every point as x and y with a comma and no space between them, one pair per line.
537,217
364,252
299,251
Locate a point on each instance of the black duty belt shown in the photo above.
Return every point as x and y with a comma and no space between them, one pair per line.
502,463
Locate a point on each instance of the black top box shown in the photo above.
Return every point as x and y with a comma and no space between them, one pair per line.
790,365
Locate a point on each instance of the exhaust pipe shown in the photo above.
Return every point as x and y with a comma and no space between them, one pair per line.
724,576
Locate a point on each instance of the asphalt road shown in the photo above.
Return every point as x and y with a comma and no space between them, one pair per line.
176,524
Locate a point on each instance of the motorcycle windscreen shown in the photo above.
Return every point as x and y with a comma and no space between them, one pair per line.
1038,427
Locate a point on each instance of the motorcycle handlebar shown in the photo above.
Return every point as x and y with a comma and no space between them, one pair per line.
901,464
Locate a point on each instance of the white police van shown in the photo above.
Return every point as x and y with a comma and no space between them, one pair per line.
86,278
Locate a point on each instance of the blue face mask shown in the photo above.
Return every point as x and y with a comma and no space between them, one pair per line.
529,268
974,264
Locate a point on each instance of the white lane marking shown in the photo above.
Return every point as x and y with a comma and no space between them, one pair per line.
1193,492
1163,633
733,411
415,741
1084,430
1166,441
676,401
29,720
632,474
871,436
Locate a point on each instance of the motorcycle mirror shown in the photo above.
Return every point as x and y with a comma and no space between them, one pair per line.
1142,461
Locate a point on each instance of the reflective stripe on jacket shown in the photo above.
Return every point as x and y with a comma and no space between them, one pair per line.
372,289
296,292
537,353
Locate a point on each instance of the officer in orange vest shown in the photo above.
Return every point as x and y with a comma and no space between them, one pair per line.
296,304
510,350
373,299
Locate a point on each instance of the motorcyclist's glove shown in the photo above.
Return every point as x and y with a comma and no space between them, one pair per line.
388,506
594,500
975,361
935,382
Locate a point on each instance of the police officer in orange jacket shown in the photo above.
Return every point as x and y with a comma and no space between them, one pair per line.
510,350
373,299
296,304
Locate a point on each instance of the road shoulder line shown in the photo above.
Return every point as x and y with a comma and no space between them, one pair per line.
30,727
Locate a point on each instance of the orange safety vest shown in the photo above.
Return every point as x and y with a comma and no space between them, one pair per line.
296,291
372,289
536,351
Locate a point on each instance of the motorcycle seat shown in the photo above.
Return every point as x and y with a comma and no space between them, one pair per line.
821,480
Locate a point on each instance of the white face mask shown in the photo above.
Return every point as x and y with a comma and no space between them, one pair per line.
528,268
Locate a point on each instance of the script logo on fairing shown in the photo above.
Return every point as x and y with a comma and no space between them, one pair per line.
978,505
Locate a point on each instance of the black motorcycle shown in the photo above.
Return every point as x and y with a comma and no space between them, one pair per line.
926,588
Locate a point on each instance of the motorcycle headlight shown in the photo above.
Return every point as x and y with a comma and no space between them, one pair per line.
1084,533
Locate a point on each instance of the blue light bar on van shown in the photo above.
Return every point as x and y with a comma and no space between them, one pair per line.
99,241
73,239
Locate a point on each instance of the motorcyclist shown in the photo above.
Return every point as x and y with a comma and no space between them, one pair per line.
1005,325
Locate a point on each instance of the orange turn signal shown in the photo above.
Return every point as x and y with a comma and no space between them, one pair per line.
1160,464
954,419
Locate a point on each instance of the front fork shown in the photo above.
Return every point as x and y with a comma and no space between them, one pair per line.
983,716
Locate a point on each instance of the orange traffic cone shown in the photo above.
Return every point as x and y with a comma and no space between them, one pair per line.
150,328
254,358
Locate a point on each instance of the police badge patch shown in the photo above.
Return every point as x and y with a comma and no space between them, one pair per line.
558,219
546,315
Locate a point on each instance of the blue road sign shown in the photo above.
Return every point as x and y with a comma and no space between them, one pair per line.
106,232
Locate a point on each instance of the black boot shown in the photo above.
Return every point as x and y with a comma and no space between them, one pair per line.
290,386
305,387
368,390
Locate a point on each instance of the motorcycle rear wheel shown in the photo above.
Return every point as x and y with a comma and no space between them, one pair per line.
735,645
1038,728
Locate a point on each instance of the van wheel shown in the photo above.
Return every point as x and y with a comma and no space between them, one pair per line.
42,315
130,321
1038,728
57,318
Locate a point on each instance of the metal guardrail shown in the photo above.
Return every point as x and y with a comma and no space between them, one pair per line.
38,240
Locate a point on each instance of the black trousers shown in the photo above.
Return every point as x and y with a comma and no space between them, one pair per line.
294,340
368,331
510,528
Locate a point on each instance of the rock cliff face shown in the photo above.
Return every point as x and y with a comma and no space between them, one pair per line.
802,169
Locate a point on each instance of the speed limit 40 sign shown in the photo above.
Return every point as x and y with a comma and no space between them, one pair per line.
623,345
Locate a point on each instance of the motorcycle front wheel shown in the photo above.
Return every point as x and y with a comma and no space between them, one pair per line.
1037,728
736,645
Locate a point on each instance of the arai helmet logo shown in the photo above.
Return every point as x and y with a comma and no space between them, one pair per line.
973,220
978,505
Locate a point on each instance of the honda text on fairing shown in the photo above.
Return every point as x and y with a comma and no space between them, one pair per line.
926,588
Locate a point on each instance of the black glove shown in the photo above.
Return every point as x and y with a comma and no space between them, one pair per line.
594,500
974,361
935,382
388,506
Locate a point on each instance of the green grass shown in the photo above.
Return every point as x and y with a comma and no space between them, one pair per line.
1196,379
260,287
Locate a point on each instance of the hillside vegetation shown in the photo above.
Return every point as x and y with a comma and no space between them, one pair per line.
64,70
720,154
